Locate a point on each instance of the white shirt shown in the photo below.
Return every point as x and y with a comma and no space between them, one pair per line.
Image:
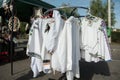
94,44
67,55
35,46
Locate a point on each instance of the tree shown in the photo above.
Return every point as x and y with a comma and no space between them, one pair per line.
68,11
100,9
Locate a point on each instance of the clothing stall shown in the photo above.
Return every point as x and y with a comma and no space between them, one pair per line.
58,44
11,8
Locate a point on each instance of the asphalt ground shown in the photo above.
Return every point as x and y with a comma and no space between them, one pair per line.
88,71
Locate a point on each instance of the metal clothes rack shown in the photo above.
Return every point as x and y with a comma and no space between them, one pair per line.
11,44
74,8
11,39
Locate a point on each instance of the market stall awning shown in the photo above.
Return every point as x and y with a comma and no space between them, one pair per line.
24,8
38,3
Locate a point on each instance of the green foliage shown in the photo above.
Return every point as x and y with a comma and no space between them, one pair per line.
22,27
100,9
67,11
22,30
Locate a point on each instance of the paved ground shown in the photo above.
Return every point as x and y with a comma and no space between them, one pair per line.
89,71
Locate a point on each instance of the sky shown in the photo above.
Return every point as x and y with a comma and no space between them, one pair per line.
86,3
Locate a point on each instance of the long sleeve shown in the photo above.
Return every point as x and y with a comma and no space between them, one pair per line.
68,50
95,45
34,47
104,45
56,26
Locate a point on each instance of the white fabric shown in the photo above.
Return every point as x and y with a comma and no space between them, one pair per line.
36,66
50,38
35,38
67,56
104,47
41,42
45,55
56,26
69,75
94,44
47,38
35,46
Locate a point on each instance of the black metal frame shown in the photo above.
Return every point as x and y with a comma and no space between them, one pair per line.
74,8
11,39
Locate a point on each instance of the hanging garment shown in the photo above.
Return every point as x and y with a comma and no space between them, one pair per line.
34,47
43,41
35,38
50,36
104,47
47,26
94,41
67,56
51,30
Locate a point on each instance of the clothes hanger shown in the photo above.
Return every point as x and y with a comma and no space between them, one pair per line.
89,15
74,8
64,7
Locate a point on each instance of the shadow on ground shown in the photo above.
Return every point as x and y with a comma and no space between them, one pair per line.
88,69
28,76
